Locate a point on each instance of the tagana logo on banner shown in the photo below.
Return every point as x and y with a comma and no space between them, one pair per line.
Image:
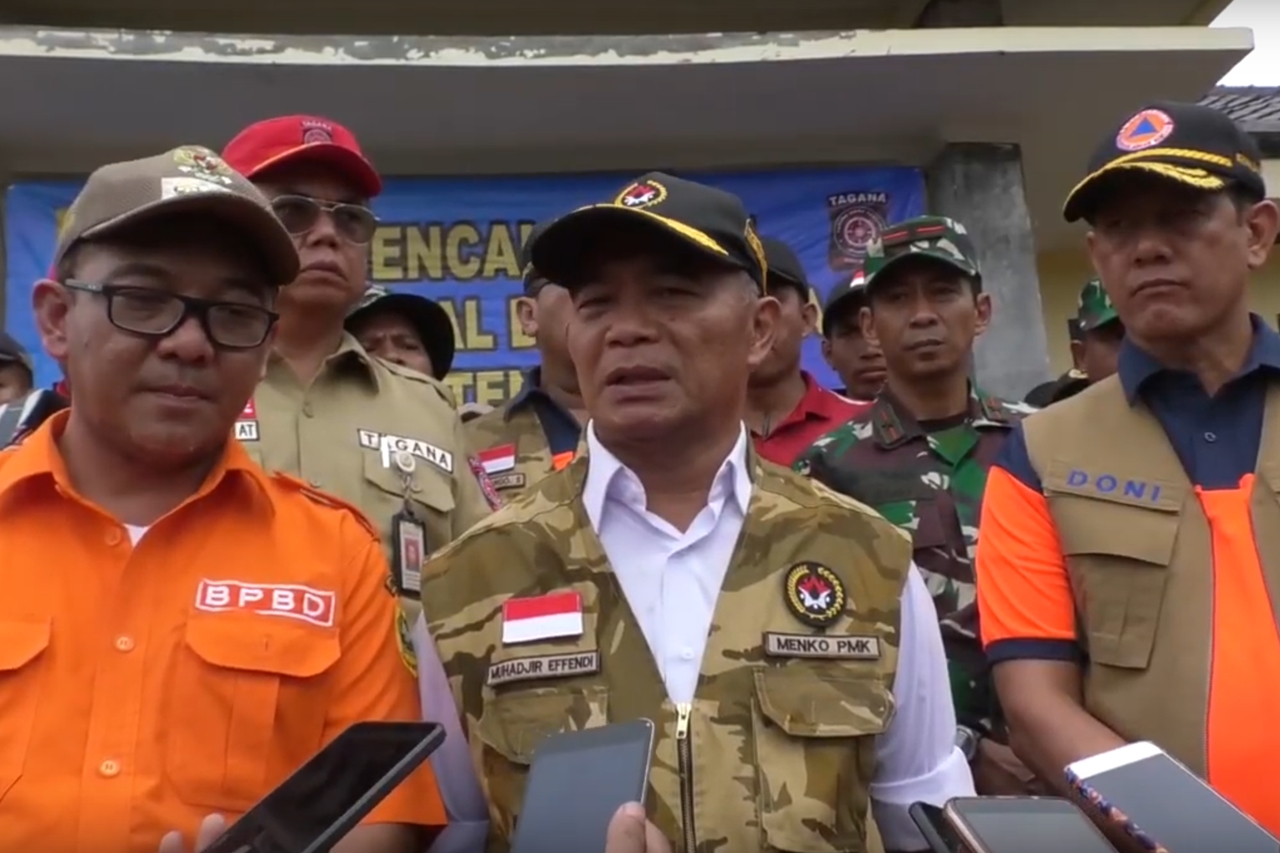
457,241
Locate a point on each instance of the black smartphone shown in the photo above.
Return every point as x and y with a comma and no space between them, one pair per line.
1158,800
937,832
1020,824
576,783
325,798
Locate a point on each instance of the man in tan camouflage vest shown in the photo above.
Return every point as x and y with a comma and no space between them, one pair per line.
1129,563
539,429
760,620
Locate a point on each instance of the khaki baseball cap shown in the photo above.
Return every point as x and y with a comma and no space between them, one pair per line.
187,179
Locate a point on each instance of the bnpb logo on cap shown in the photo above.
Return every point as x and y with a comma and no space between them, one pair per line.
1145,130
291,601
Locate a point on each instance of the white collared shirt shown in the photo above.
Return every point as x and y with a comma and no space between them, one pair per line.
671,580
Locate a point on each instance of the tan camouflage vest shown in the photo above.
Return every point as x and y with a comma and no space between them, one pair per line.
777,750
503,427
1138,550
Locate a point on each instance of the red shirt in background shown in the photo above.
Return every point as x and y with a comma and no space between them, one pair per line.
820,411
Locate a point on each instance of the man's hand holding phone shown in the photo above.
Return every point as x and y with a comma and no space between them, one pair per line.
210,828
629,832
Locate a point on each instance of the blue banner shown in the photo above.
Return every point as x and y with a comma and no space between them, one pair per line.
456,240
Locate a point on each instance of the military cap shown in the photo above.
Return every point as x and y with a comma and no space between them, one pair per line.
428,319
784,267
937,237
708,220
1191,144
851,296
187,179
1094,308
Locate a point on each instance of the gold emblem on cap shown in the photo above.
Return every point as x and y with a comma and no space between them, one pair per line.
641,194
202,163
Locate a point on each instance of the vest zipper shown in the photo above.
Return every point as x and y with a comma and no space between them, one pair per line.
684,756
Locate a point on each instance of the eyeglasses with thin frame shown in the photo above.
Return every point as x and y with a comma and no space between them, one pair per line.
299,214
153,313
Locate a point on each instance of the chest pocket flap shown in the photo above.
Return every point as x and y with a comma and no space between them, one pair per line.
276,647
429,485
1118,535
1113,514
258,684
513,724
21,692
806,719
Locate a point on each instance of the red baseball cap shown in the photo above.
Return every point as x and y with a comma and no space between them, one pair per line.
300,139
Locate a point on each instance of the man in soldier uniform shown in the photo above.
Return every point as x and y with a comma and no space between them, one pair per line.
383,437
855,358
920,454
1095,347
539,429
772,630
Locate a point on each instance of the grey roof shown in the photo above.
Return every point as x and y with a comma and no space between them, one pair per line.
1255,108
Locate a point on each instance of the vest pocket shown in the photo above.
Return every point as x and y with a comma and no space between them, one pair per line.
1118,558
814,735
511,726
429,487
232,675
21,643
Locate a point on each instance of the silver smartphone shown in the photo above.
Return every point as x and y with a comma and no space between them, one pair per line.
1160,802
576,783
1023,824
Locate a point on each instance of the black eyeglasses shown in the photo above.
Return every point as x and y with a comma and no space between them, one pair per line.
157,314
300,213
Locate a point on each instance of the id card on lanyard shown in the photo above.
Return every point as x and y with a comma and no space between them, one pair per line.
408,533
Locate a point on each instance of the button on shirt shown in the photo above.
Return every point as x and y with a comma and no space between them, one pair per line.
671,580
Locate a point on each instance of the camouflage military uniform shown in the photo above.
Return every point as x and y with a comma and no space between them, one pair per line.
927,479
1093,311
514,443
777,749
931,484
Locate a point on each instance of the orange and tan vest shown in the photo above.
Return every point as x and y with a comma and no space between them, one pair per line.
1140,557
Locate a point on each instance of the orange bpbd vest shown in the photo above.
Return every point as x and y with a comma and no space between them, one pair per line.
1177,609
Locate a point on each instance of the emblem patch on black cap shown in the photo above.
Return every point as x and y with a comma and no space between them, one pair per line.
642,194
1145,130
815,594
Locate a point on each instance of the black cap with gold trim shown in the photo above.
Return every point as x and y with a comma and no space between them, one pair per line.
530,276
708,220
1191,144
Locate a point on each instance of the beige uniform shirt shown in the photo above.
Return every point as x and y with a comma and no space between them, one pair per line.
333,435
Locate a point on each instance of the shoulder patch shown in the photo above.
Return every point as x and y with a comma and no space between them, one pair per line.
323,498
404,639
486,485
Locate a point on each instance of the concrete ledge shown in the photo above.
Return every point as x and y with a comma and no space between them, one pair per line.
540,51
440,105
